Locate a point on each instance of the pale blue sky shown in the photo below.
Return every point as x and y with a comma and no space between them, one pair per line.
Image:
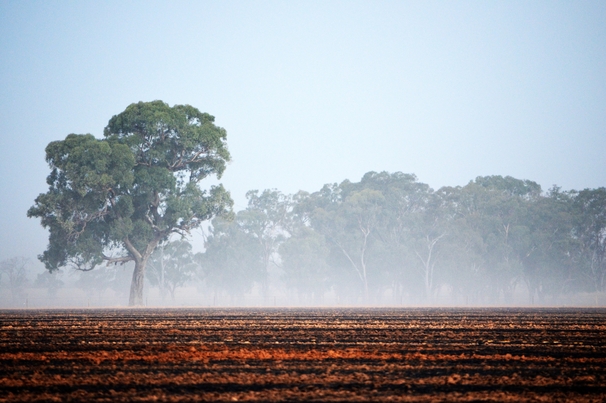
313,92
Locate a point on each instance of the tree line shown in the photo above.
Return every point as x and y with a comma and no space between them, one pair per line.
123,198
390,238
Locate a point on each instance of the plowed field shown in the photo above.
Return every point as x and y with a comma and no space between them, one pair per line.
303,354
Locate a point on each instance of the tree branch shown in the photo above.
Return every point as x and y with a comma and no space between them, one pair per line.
115,260
131,248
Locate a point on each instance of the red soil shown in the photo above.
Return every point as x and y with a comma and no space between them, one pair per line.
293,355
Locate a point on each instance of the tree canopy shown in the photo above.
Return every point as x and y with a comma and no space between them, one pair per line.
118,199
391,236
115,199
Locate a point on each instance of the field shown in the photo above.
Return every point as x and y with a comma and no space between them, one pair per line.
303,354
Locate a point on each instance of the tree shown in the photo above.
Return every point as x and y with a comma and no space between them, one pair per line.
264,219
171,266
426,241
549,261
116,199
14,271
361,210
347,216
408,227
590,231
304,264
112,278
496,208
413,225
233,259
50,281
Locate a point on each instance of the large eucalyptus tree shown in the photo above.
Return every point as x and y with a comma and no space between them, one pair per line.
114,200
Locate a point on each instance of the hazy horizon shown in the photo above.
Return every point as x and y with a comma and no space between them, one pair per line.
312,93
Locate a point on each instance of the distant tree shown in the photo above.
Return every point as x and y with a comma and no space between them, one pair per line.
549,260
105,278
264,220
50,281
116,199
304,263
406,225
347,218
14,271
428,230
589,212
233,260
361,210
461,264
399,230
496,209
171,266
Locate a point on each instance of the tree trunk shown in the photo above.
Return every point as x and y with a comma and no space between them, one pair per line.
136,286
366,233
162,281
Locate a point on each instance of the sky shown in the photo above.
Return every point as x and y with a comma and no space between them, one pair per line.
312,92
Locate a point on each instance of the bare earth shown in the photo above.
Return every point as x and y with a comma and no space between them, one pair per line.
303,354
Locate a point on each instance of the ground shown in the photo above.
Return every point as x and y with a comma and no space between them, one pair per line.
303,354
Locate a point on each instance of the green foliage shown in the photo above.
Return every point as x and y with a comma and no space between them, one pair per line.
233,260
549,266
304,262
264,220
115,199
589,215
390,234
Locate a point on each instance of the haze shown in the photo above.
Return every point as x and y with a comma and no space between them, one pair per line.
312,92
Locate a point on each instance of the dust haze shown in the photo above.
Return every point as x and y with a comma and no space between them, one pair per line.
391,153
386,240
